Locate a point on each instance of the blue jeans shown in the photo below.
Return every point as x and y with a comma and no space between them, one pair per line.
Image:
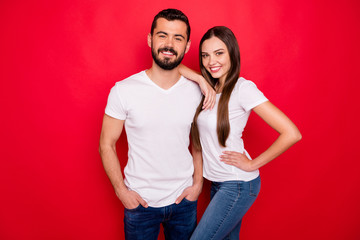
230,201
178,220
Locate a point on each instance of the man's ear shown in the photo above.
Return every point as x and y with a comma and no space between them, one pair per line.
187,46
149,39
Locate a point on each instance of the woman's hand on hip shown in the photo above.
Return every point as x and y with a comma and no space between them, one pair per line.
237,159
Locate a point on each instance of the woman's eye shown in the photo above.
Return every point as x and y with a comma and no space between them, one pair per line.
219,53
204,55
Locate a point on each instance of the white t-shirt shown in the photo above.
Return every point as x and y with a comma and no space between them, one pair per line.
157,124
244,97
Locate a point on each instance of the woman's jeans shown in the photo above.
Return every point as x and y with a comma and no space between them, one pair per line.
230,201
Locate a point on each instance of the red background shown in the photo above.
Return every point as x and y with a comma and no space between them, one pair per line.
59,60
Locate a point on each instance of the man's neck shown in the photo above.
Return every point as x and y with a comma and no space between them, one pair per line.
163,78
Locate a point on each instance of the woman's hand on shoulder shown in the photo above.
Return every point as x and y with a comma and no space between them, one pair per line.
237,159
205,87
208,92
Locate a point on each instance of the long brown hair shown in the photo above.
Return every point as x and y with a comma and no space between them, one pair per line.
223,124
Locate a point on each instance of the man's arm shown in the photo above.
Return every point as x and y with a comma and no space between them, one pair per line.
110,133
192,193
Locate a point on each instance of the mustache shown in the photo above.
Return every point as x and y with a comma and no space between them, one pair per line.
165,49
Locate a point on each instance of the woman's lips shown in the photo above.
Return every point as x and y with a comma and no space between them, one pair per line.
214,69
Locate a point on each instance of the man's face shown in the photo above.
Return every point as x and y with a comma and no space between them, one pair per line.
168,43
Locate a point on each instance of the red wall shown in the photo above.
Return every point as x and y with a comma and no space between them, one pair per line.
59,59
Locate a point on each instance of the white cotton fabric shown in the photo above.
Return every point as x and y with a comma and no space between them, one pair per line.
157,124
243,99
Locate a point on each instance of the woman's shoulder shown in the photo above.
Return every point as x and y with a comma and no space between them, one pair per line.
242,84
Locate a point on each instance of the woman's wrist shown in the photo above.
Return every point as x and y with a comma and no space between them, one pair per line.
200,79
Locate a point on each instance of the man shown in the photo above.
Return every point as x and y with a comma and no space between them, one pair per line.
162,180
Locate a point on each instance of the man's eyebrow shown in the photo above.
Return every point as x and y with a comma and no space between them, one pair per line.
161,32
165,33
179,35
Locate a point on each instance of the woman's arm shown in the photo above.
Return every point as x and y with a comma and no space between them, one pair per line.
289,135
206,89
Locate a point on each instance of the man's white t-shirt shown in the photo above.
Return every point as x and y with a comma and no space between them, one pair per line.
244,97
157,124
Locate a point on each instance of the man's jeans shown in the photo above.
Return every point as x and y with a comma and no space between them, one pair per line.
178,220
230,201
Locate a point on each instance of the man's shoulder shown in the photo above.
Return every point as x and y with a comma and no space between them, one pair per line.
191,84
133,79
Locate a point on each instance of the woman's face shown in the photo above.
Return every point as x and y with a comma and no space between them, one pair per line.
215,58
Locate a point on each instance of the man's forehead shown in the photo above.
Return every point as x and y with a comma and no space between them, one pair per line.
171,27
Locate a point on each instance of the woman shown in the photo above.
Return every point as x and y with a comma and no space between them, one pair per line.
218,133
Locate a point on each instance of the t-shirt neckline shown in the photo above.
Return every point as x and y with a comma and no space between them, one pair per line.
181,79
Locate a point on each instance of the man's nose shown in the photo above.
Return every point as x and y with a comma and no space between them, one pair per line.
169,42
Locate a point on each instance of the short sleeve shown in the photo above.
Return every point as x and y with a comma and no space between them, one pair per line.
115,107
250,96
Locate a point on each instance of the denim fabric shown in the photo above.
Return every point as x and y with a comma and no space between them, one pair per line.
178,220
230,201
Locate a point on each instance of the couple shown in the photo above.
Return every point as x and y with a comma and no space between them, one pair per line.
159,107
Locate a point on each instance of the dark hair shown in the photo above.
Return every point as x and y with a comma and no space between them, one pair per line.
223,125
171,15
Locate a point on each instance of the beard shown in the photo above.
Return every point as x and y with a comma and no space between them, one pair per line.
166,63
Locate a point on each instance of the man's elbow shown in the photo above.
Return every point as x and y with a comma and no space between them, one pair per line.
103,149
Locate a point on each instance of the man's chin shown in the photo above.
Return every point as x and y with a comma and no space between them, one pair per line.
167,65
167,60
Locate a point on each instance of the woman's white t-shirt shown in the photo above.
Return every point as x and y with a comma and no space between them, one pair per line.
243,99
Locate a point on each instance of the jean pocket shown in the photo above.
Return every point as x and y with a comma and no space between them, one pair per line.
254,188
188,201
133,209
